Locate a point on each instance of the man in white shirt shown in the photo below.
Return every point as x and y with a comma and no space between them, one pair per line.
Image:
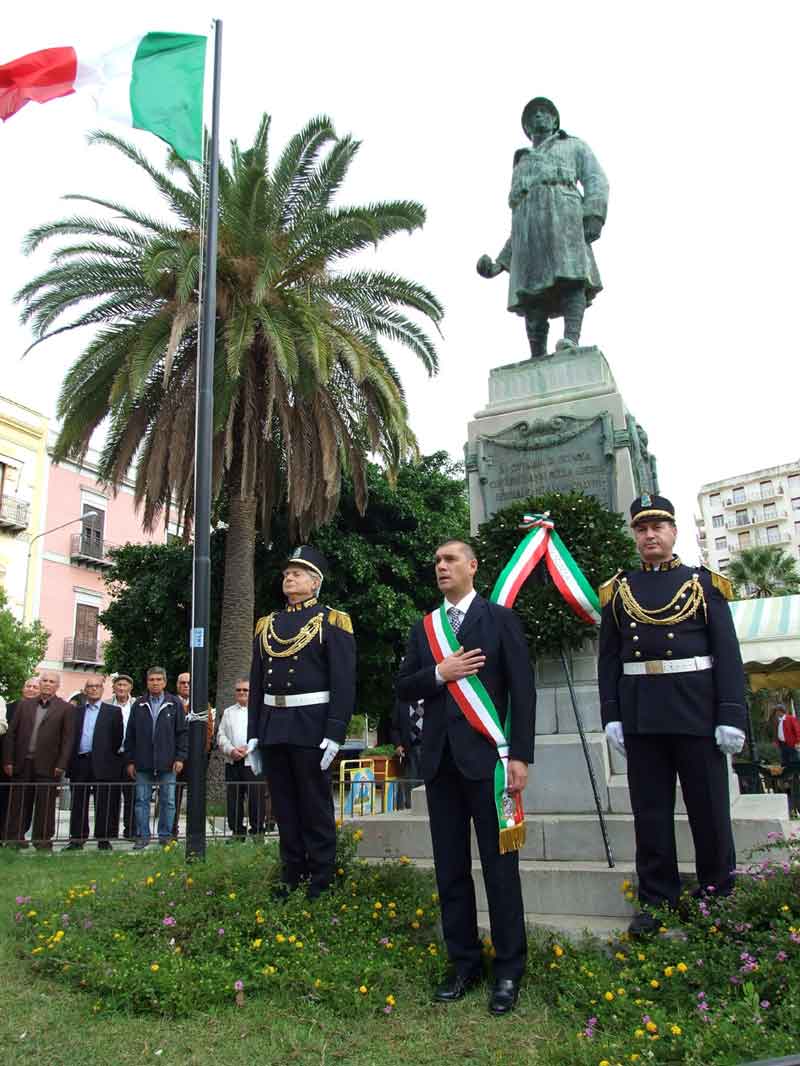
242,768
123,698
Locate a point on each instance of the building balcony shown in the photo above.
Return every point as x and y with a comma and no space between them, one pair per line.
82,652
14,514
739,522
761,542
778,515
85,550
754,496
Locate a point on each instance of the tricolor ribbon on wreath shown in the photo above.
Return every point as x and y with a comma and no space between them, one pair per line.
471,695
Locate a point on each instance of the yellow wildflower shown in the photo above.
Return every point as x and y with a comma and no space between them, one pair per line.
620,991
377,905
655,984
391,1000
434,897
558,951
604,1062
669,971
292,938
363,989
608,996
415,925
257,943
619,955
651,1027
785,907
37,951
189,881
31,914
280,938
154,967
681,967
318,983
358,835
675,1030
231,895
150,881
626,885
404,860
639,1033
299,944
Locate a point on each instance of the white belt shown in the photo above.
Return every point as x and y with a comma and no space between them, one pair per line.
298,699
669,666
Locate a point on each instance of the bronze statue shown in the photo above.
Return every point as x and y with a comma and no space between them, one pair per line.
551,266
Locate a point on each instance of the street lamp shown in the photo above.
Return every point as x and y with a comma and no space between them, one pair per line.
80,518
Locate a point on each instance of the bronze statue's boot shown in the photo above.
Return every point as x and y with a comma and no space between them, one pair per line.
573,304
537,328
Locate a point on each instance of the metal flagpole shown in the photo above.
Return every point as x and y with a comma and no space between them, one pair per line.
204,422
588,757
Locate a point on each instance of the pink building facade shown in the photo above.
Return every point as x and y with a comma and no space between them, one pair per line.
69,593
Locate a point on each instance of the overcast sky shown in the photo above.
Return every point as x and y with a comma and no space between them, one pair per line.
690,108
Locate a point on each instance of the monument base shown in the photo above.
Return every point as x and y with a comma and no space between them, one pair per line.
555,424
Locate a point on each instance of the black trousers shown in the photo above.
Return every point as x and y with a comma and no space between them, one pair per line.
106,803
454,802
32,799
302,805
127,789
240,784
412,776
654,763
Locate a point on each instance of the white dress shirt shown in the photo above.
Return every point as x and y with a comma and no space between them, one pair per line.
233,734
126,713
463,605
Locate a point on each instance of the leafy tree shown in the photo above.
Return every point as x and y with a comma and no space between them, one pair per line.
303,388
764,571
597,540
381,572
21,648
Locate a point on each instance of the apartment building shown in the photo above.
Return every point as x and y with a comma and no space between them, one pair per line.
749,510
23,488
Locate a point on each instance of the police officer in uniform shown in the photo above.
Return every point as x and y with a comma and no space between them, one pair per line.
302,694
673,703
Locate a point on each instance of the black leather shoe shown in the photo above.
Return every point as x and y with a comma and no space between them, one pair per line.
643,924
105,845
504,995
74,845
455,986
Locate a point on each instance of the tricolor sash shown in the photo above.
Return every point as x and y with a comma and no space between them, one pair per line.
477,706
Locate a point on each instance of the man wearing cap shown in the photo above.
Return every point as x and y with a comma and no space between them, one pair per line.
672,698
122,687
549,258
302,694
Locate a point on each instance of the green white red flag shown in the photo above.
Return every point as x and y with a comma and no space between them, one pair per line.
542,541
153,82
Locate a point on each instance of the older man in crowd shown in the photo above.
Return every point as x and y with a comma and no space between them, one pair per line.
30,690
243,777
123,698
95,768
36,752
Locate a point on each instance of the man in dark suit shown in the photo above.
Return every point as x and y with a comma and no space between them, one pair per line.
36,752
156,746
673,703
95,768
123,698
30,690
458,766
302,693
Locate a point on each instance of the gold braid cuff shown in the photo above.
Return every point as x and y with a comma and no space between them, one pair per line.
292,645
684,604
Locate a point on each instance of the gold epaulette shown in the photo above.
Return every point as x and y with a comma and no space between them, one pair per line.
606,591
261,624
340,619
720,582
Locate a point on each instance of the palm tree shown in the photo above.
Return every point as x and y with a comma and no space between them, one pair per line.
303,388
764,571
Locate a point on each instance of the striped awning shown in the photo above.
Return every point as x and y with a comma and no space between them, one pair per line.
769,636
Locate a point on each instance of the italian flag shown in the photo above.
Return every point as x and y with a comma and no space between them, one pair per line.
543,542
152,83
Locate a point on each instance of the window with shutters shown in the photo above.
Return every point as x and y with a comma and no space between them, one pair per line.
85,647
92,531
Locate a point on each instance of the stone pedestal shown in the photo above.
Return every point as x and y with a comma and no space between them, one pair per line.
557,423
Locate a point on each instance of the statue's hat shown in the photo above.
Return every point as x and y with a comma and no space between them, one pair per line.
651,506
539,101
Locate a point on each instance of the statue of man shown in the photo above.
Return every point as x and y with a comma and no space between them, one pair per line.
552,271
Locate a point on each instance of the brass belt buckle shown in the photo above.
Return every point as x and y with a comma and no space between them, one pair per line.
280,701
654,666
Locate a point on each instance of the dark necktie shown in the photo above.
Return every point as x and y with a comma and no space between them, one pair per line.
416,724
456,618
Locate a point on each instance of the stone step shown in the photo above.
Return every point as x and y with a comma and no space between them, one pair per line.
570,837
572,927
571,888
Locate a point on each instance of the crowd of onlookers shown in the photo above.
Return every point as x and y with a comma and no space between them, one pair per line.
129,754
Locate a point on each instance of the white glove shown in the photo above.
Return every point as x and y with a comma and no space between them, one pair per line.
252,744
330,748
616,738
730,740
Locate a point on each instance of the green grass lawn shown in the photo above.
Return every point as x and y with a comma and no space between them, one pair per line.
44,1023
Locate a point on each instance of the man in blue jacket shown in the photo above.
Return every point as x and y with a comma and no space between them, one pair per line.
156,746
